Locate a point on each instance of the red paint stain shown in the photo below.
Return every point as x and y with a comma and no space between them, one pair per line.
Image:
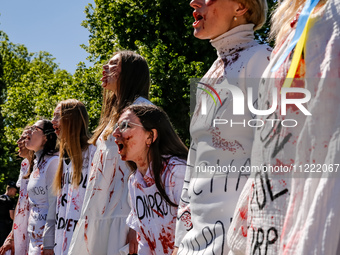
138,186
243,212
85,234
111,193
121,171
244,232
152,244
158,213
167,240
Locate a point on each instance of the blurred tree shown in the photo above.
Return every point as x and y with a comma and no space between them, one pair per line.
31,86
161,31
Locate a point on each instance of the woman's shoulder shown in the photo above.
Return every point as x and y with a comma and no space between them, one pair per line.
259,57
176,166
142,100
91,149
174,160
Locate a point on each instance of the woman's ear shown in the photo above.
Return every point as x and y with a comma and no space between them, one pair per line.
152,135
241,10
44,140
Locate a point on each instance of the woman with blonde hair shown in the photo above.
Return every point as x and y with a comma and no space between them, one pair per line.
101,228
70,122
209,197
294,210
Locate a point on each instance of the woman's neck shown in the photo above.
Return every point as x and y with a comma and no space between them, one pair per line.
143,168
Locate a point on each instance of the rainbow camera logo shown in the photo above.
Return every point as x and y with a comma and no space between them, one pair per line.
204,103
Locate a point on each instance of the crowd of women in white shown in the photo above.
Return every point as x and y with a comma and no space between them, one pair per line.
130,187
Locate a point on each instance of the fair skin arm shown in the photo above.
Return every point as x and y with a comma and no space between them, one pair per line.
175,251
46,251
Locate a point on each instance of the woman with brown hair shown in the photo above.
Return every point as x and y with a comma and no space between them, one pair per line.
157,157
101,228
70,122
42,140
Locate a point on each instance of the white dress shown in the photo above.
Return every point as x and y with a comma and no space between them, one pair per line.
209,198
20,223
153,219
41,199
70,201
296,211
102,228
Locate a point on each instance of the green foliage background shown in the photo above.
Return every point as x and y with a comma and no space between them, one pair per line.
32,83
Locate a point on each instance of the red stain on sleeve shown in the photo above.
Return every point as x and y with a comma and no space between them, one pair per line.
243,212
244,231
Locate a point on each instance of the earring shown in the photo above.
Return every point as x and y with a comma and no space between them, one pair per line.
235,18
148,145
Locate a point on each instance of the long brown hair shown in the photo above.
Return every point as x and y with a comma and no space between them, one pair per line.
133,82
166,145
74,136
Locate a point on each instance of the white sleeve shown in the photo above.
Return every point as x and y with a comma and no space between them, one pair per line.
23,170
52,200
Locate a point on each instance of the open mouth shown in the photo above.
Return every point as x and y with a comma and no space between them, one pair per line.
198,17
120,146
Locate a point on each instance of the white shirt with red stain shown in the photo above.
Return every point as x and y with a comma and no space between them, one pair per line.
152,218
20,223
105,207
70,202
42,200
295,210
214,180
